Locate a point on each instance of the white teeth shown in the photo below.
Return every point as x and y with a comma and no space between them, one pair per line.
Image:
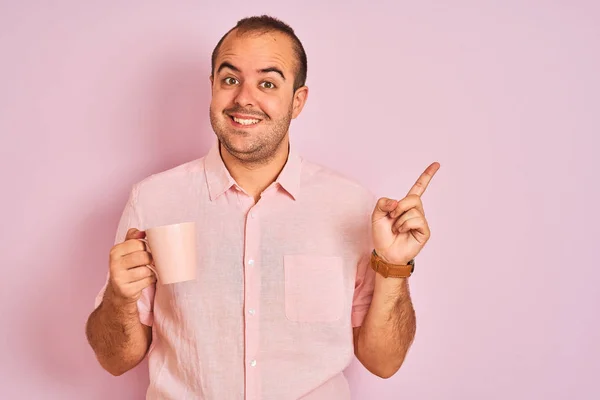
246,121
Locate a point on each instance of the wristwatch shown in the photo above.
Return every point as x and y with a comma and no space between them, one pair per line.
391,270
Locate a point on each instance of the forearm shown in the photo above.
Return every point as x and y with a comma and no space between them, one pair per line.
389,327
117,336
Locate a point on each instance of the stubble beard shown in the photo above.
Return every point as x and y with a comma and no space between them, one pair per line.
264,145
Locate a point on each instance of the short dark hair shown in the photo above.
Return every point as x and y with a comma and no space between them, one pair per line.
264,24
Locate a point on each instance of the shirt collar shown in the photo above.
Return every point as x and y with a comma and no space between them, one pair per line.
289,177
220,180
217,176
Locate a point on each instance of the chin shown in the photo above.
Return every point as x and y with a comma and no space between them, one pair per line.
238,145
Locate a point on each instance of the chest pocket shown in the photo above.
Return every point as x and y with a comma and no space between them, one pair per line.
314,288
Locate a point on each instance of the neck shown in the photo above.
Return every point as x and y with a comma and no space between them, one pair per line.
255,177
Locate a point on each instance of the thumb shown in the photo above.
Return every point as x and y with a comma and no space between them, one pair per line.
134,233
383,207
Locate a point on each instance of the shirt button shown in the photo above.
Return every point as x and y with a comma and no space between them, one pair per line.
253,363
251,311
250,262
251,214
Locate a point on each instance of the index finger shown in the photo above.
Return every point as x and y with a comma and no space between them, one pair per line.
127,247
423,181
134,233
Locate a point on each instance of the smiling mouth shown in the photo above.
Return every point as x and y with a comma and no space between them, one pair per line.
245,121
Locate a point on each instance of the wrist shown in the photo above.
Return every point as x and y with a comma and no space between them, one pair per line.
391,267
391,260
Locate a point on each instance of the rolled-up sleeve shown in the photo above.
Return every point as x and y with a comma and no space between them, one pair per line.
130,219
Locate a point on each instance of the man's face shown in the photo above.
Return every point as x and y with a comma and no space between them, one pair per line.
253,98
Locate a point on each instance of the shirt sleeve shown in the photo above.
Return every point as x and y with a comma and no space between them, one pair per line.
130,219
365,276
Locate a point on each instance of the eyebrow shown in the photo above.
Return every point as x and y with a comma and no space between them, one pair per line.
227,65
232,67
272,69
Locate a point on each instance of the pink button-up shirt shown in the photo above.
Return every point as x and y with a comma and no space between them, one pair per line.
280,282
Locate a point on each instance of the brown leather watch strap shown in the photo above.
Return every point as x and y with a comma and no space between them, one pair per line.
391,270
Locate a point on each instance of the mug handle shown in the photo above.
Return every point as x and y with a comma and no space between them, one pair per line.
147,245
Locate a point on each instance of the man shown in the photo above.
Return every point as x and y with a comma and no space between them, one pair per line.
286,290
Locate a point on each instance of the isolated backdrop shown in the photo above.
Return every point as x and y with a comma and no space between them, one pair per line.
96,95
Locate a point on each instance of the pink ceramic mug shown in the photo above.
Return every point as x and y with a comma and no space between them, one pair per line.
173,249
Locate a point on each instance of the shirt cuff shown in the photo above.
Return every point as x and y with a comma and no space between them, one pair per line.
146,318
358,317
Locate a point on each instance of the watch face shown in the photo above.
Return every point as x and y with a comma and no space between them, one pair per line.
412,264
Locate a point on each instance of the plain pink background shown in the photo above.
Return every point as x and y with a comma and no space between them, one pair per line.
95,96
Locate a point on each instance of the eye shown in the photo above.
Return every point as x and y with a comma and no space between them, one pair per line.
230,81
267,85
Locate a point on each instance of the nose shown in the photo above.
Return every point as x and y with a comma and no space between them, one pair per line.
244,96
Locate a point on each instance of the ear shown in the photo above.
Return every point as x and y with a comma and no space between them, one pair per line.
300,97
